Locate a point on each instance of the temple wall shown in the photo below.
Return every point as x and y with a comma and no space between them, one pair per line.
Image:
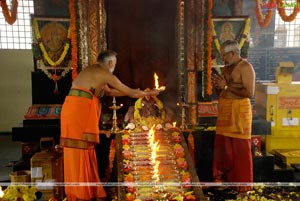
15,87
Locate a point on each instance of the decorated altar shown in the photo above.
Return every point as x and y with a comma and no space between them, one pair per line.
155,165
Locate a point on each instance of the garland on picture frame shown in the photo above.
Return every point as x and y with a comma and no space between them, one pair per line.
41,56
242,37
43,49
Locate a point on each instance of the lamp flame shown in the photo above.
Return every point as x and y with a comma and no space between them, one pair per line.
160,88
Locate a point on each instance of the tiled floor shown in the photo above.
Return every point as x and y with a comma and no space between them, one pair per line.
10,151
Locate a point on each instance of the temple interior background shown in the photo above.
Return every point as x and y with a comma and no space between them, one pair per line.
169,38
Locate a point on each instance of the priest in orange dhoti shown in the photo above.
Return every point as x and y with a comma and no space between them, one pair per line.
232,149
79,125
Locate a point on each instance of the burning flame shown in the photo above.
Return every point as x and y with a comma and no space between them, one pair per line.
174,124
162,88
155,171
151,136
154,148
1,192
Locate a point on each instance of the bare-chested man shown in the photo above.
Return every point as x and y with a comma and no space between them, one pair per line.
232,149
79,125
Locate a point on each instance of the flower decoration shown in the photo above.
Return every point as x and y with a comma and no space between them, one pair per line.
24,193
189,196
129,178
10,18
179,150
129,197
181,163
186,179
282,13
209,49
127,154
129,170
40,54
73,37
126,147
176,137
43,49
263,22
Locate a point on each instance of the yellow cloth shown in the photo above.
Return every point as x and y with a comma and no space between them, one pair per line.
234,118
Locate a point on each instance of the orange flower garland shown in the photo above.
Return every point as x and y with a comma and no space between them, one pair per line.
209,48
282,13
263,22
10,19
73,38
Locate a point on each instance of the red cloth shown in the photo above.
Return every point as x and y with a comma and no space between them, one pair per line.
232,160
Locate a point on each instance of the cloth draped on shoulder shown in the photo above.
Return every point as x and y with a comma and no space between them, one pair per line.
234,118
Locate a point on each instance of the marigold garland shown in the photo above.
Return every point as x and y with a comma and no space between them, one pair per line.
54,76
263,22
282,13
9,18
43,49
209,49
73,38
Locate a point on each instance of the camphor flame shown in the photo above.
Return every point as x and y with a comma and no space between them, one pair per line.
162,88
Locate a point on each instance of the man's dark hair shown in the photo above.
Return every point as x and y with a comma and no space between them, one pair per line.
102,57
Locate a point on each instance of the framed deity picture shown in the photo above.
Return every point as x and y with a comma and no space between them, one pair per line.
230,28
51,42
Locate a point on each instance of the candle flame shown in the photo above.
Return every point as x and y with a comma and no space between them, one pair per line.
160,88
174,124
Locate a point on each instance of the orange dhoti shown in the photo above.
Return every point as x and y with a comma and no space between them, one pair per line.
232,148
79,133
